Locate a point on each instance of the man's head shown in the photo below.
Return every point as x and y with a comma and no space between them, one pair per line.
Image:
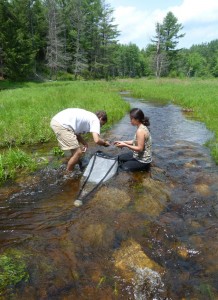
101,114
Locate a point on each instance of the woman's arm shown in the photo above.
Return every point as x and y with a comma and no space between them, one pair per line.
126,142
140,136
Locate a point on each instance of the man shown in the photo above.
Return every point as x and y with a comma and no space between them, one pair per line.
69,124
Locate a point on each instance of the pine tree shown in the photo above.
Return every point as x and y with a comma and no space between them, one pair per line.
77,35
166,40
56,56
108,44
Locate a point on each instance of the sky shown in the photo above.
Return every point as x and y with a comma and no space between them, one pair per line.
136,20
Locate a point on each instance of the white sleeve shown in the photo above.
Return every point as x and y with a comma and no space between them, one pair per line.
95,126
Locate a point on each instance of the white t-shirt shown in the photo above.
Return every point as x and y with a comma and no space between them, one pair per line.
80,120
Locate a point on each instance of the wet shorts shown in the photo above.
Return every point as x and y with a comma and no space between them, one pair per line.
66,137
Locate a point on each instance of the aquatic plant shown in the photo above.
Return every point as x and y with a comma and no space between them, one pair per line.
101,281
57,151
12,269
206,291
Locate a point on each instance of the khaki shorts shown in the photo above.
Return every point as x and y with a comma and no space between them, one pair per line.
66,137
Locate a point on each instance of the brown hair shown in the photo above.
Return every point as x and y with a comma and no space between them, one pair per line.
102,114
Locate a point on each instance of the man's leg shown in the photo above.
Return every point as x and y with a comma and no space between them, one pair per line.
67,140
74,159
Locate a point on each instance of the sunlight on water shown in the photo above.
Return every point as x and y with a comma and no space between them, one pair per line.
147,284
138,236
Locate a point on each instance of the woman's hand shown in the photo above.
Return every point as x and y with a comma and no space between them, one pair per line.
119,144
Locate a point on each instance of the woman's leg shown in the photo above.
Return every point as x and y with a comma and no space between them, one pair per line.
125,156
128,163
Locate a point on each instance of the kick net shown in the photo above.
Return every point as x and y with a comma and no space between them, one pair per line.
101,168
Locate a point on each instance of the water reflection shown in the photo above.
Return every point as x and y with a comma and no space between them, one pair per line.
140,236
168,125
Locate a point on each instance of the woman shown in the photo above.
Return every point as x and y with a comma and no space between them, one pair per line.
140,157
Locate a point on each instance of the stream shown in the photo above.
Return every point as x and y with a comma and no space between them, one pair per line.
143,235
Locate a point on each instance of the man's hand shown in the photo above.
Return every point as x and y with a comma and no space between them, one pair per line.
106,144
84,148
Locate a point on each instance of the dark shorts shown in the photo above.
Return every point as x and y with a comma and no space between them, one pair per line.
128,163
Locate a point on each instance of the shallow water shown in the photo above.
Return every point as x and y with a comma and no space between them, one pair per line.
140,236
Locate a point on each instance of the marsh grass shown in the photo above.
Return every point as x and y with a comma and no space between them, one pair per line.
198,96
15,161
25,113
27,108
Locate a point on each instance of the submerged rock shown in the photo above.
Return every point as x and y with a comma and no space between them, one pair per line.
155,198
111,198
139,270
131,256
202,189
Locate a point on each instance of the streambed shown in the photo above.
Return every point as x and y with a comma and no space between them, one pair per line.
140,236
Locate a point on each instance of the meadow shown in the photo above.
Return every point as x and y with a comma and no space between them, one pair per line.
27,108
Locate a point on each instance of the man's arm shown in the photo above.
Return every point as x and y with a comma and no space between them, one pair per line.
99,141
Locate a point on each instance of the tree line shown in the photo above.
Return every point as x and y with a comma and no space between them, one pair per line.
72,39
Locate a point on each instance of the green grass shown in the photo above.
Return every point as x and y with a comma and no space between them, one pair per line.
27,108
15,161
201,96
26,112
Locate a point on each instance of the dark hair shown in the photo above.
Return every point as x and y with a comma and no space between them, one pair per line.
138,114
101,114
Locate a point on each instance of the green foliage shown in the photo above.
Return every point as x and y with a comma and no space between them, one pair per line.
169,32
13,269
72,36
165,54
14,161
130,61
64,76
57,151
74,39
208,53
26,113
19,37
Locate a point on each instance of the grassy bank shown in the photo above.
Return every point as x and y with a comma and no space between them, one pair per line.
199,96
26,111
26,108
